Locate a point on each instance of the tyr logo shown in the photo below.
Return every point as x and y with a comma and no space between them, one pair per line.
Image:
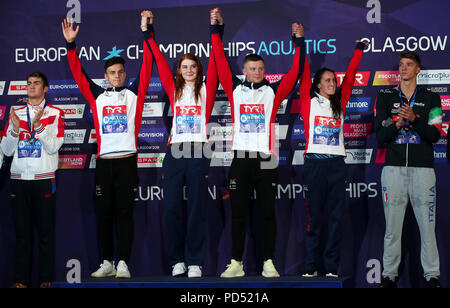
24,135
325,121
115,110
189,110
252,109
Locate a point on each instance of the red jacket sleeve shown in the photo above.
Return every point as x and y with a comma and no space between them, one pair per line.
165,73
212,82
288,82
305,87
88,88
226,77
144,81
349,79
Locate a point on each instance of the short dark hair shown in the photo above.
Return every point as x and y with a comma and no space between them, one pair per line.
410,55
253,57
39,75
114,60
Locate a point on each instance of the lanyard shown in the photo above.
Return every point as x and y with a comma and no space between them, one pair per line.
32,131
411,102
413,97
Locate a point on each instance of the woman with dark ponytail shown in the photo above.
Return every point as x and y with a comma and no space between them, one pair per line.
323,112
191,101
335,100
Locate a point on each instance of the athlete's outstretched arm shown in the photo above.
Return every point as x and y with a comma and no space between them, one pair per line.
88,88
349,79
165,73
227,79
288,82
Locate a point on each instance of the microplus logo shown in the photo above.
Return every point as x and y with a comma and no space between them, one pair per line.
74,136
426,77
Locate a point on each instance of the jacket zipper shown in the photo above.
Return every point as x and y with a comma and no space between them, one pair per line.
407,147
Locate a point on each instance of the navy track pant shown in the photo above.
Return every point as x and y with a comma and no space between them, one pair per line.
325,181
185,238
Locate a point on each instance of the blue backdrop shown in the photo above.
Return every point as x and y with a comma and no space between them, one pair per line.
31,40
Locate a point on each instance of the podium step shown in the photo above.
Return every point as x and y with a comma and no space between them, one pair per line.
252,282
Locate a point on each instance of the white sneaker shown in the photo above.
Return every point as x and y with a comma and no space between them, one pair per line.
194,271
106,270
332,274
310,274
234,269
122,270
269,270
178,269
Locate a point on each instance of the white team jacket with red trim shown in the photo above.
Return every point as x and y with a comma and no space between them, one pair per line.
324,132
117,112
36,160
190,116
254,106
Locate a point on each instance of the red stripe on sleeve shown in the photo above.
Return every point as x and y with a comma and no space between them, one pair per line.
165,73
144,81
286,85
212,82
289,80
83,85
349,79
223,69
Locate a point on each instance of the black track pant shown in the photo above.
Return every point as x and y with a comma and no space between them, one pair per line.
246,175
116,181
33,204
